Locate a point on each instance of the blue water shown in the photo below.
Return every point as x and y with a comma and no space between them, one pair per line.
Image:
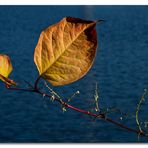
120,69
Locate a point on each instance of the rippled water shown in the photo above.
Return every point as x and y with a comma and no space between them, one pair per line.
120,69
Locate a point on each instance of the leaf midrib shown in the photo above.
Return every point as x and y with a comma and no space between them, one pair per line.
67,46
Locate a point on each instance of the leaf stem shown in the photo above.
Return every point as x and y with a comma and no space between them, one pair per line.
36,83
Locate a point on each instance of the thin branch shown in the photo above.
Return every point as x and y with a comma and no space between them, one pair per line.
51,90
21,89
96,97
77,92
138,108
99,116
29,84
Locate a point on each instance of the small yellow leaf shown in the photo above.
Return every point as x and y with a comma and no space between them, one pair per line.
66,50
5,69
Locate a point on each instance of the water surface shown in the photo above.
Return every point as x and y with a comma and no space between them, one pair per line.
120,69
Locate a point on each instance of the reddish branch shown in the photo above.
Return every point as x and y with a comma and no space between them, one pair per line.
66,105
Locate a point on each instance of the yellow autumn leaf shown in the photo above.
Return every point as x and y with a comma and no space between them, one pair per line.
5,69
65,51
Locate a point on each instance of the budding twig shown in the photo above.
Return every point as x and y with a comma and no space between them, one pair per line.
138,109
66,105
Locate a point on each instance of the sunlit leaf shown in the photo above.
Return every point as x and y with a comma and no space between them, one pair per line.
5,69
66,50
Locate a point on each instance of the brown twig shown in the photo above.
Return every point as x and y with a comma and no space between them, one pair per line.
66,105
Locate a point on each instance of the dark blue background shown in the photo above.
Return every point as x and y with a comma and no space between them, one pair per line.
120,68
